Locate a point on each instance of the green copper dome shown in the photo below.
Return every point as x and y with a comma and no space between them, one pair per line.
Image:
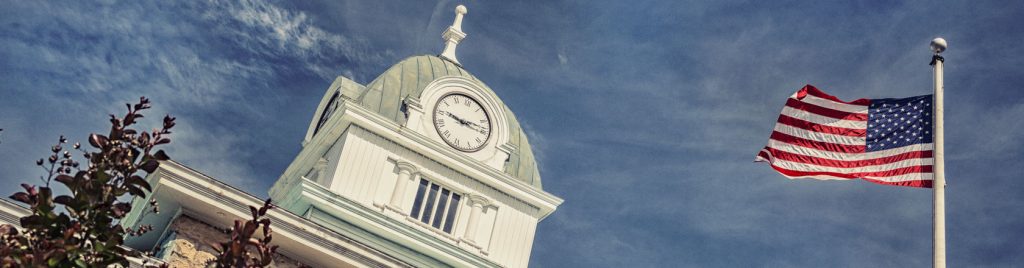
409,77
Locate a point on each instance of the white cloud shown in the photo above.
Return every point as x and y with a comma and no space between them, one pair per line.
206,62
292,33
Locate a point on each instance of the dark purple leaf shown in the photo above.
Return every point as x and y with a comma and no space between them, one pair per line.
150,165
63,200
121,208
97,140
45,192
160,155
29,188
7,229
144,138
139,181
135,191
65,179
31,220
117,133
20,196
129,118
168,121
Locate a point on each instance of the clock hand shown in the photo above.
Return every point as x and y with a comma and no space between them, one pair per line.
464,122
475,126
457,119
471,125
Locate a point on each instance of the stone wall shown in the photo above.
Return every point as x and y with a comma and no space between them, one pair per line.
191,245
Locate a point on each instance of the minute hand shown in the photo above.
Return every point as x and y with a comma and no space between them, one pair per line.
475,126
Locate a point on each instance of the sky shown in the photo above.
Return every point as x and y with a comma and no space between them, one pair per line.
645,116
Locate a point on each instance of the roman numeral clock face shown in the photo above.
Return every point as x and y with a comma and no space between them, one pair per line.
462,122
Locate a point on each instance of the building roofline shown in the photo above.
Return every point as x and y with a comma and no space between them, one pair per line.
217,197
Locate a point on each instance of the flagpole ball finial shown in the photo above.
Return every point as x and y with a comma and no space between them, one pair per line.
938,45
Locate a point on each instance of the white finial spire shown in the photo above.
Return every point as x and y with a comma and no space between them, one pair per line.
453,35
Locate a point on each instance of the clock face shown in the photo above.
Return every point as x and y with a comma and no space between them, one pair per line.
462,122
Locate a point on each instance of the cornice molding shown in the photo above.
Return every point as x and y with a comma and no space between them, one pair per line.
352,212
220,195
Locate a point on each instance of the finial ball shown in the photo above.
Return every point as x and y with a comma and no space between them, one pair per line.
938,45
461,10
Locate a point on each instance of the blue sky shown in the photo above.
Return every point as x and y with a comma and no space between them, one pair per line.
645,115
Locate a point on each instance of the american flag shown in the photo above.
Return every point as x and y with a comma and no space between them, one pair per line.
886,141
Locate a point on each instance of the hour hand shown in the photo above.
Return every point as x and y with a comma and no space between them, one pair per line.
457,119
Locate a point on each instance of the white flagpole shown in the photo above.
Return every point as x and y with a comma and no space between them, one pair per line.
939,182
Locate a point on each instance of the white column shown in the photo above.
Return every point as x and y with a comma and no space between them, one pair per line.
477,203
939,183
405,174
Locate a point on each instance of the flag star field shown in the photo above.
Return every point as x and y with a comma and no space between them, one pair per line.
896,123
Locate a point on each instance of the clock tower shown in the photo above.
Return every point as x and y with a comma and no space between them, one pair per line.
424,164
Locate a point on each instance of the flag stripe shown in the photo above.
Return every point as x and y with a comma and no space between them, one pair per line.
792,157
823,120
803,106
849,108
845,156
888,175
824,146
813,91
820,137
814,127
875,169
903,178
912,180
821,176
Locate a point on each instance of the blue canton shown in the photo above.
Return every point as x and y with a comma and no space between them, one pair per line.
894,123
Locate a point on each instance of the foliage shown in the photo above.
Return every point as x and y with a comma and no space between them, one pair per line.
85,230
244,249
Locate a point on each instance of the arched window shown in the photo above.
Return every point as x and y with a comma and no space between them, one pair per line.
326,114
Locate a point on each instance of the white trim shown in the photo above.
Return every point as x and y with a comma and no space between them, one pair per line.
389,228
182,183
12,210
